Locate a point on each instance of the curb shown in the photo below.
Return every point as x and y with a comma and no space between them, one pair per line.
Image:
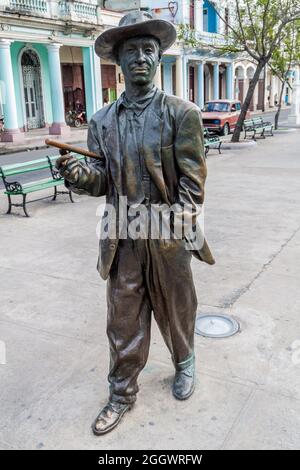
30,148
238,145
285,131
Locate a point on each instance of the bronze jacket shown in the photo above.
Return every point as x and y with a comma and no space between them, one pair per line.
173,150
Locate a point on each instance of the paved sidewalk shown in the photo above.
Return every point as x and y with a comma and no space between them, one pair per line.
53,308
35,139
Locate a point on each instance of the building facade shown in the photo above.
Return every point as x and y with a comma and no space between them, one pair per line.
48,66
47,63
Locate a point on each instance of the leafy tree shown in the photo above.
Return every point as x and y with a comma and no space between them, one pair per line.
283,59
256,28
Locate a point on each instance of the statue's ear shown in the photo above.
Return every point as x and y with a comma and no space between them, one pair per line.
160,56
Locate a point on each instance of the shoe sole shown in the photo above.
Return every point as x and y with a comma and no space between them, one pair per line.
185,397
110,428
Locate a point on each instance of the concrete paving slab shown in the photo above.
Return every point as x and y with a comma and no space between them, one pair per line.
268,422
63,420
55,305
53,320
36,363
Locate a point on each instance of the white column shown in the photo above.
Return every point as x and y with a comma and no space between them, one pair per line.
200,82
229,81
186,78
12,132
58,126
294,117
157,78
92,81
216,81
199,15
255,98
272,92
179,76
186,11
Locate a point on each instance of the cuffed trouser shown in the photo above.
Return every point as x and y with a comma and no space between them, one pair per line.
148,275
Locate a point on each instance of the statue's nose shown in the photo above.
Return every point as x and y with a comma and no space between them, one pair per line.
140,58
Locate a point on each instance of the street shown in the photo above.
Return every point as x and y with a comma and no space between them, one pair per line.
34,154
53,319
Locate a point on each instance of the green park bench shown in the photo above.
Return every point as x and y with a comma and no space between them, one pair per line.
211,140
258,127
16,188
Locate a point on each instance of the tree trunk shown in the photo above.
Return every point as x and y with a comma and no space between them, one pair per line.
264,90
279,106
247,102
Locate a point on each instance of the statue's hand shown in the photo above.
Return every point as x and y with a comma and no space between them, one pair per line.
69,168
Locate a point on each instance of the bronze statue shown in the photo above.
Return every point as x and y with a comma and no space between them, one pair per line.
151,151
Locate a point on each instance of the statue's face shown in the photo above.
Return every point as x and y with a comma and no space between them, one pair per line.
139,58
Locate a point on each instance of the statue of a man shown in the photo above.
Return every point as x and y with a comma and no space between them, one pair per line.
151,152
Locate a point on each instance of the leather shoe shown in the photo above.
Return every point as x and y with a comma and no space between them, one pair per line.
109,417
184,382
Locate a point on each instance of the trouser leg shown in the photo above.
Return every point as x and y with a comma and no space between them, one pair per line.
128,322
173,297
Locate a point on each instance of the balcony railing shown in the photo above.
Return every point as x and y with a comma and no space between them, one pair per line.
196,39
29,6
65,10
78,11
85,10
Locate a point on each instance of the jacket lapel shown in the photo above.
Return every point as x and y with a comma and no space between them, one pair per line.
151,146
111,143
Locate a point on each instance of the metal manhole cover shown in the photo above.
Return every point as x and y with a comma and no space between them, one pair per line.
216,326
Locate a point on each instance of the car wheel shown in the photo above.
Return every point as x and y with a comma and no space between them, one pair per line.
226,129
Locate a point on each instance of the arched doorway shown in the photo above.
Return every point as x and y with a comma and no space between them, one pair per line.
33,99
239,83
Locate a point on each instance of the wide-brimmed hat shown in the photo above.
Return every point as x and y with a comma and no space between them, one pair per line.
135,23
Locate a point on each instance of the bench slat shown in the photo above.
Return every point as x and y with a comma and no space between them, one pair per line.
23,170
38,187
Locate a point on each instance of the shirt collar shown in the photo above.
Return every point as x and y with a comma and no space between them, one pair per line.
136,106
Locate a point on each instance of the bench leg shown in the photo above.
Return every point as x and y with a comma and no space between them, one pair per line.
55,194
24,205
9,204
70,196
220,148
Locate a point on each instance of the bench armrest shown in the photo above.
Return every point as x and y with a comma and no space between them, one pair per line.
13,186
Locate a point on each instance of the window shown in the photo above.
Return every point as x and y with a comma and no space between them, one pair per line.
238,106
205,19
216,107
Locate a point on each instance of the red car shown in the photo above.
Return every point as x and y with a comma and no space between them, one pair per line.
221,115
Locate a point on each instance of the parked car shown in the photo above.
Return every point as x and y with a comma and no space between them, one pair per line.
221,115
